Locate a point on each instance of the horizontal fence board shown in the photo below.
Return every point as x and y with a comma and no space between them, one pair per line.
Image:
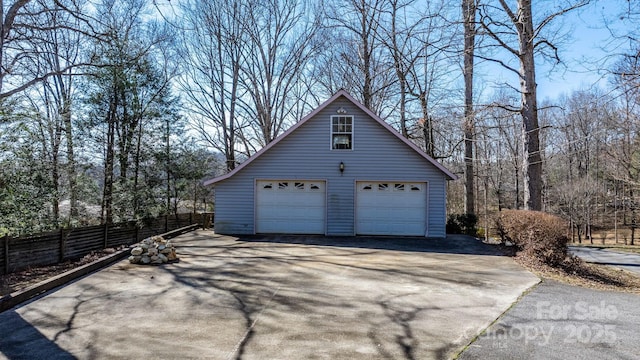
72,247
26,241
115,242
81,241
44,249
48,245
94,245
34,250
3,260
88,230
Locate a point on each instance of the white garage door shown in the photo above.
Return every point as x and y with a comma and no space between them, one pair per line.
290,206
391,208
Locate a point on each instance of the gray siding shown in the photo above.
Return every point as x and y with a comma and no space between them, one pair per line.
306,154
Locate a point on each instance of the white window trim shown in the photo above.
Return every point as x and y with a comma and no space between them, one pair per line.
331,132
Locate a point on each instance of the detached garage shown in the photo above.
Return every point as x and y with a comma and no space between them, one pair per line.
341,170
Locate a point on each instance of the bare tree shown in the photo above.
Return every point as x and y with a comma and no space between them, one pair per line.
11,52
18,33
212,51
419,41
362,66
499,148
469,23
281,40
397,39
504,25
59,53
575,159
622,156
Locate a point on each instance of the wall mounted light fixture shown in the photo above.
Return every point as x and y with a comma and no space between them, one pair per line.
341,110
341,167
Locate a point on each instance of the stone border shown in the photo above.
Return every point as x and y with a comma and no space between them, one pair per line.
17,297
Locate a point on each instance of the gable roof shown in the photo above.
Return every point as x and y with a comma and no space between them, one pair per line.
293,128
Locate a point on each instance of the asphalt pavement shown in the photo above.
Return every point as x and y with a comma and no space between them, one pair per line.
560,321
604,256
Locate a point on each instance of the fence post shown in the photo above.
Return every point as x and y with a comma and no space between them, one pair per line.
6,253
106,235
62,244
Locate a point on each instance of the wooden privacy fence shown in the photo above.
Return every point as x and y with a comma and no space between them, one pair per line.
67,244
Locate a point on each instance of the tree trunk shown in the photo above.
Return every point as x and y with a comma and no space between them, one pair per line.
516,202
403,115
168,167
71,160
136,173
366,29
231,131
54,135
532,164
366,67
107,194
396,53
633,217
615,211
427,126
469,14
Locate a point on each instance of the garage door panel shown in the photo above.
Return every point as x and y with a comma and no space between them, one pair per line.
391,208
290,206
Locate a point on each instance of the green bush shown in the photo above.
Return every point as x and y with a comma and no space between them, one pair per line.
536,235
462,224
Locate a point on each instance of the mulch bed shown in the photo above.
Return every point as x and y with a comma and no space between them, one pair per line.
575,271
22,279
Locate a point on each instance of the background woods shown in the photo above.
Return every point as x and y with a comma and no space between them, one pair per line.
116,110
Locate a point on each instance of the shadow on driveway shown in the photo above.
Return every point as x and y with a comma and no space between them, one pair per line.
285,297
453,244
21,340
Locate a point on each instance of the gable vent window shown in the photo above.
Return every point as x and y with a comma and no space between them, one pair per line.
342,132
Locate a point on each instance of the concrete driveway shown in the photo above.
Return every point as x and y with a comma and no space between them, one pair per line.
275,298
627,261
